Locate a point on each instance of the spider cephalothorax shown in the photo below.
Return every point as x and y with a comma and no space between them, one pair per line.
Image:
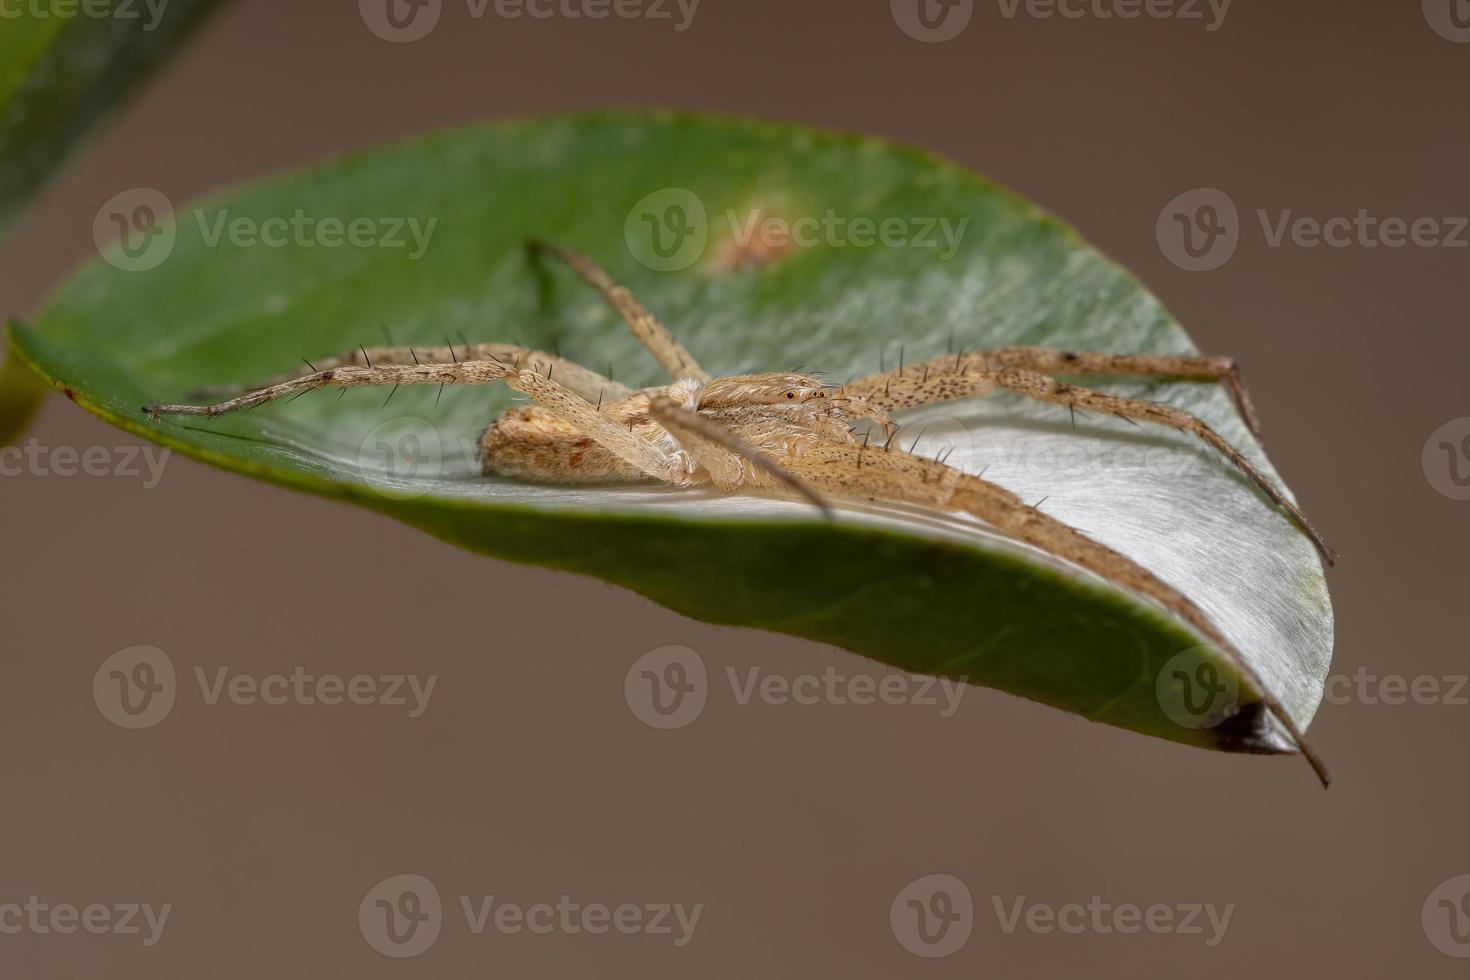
791,432
751,390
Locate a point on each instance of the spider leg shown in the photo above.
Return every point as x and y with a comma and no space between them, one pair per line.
1050,360
588,384
1053,361
879,473
639,452
1047,389
950,378
351,376
731,462
923,384
652,334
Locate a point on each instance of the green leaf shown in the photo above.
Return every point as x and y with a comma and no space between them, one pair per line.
920,591
60,74
21,392
62,67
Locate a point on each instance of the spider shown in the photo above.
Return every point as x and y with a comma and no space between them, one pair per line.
790,433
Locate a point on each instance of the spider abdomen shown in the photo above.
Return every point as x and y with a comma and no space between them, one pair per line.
536,445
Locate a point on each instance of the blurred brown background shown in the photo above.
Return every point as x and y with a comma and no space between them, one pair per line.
528,778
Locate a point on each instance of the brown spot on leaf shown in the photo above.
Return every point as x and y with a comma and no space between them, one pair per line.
759,237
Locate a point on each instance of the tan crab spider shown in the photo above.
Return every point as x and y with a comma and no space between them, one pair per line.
789,433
